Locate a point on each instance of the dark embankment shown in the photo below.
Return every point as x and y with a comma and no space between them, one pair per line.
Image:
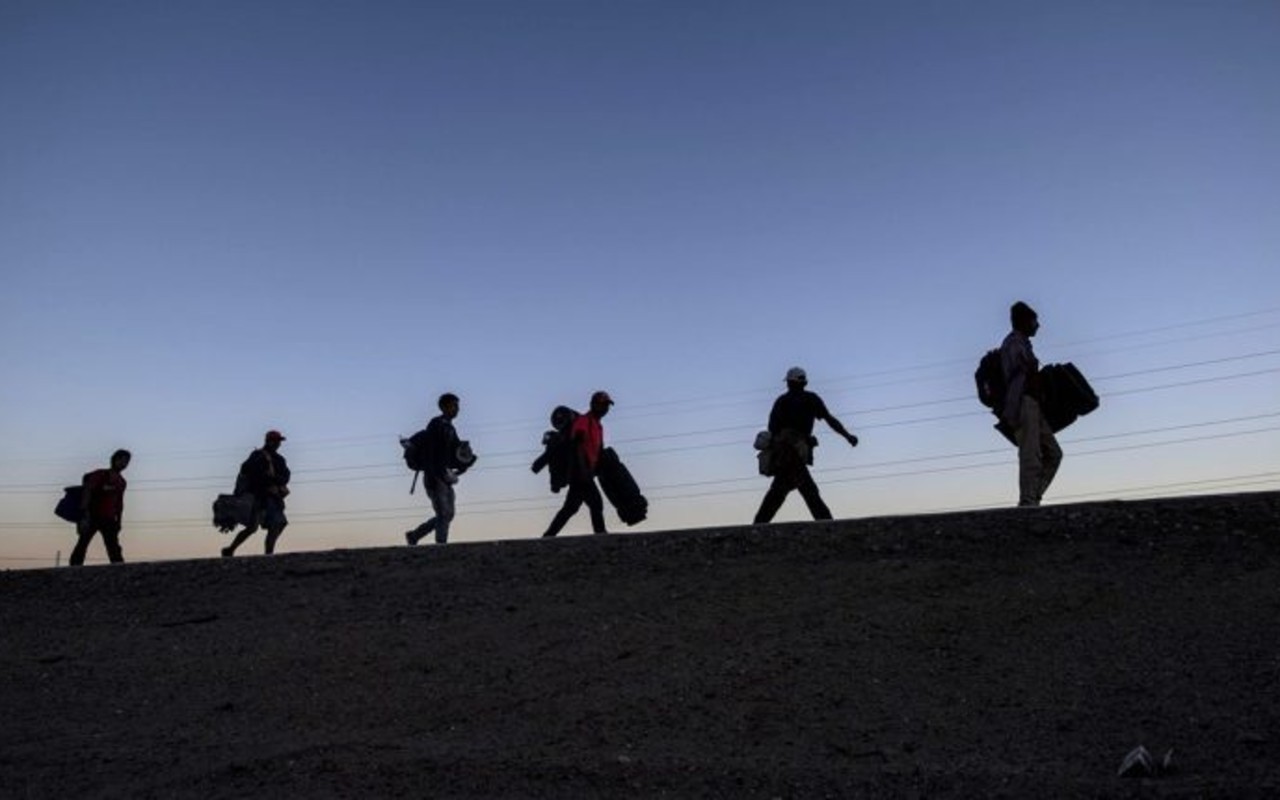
1004,653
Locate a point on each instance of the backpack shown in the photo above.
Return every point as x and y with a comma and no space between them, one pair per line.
989,378
415,451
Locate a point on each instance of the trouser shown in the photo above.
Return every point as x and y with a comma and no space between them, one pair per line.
580,491
270,515
443,502
110,531
796,477
1038,453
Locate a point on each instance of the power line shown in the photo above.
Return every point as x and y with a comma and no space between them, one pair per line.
216,481
637,410
480,508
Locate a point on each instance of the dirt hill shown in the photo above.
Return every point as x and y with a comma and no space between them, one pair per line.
1013,653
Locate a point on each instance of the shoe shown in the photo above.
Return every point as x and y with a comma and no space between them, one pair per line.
408,538
227,552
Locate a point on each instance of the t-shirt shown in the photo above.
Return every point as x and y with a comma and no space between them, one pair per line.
796,411
106,494
589,434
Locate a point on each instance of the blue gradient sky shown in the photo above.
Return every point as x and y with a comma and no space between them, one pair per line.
217,218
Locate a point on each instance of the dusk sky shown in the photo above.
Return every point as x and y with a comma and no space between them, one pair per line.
218,218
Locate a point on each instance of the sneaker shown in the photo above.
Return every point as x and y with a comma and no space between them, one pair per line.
227,552
408,538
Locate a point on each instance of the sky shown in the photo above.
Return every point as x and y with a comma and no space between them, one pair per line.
218,218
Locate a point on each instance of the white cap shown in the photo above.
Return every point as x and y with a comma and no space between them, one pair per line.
795,374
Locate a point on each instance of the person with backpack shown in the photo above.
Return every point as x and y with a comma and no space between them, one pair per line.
791,444
265,475
586,441
435,450
102,509
1038,452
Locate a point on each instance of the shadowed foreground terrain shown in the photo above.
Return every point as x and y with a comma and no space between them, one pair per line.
1013,653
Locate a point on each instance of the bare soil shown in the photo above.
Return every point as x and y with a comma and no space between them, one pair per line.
1011,654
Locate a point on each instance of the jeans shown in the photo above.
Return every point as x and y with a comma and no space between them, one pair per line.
443,504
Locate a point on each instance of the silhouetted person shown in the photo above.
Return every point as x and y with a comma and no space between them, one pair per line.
442,467
102,509
265,475
791,441
1038,452
586,437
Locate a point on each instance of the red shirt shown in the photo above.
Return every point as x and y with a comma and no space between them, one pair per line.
589,434
106,494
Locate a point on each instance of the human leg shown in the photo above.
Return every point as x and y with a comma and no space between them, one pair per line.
111,539
1050,460
572,502
84,534
812,497
443,502
255,522
1030,464
274,521
773,499
595,505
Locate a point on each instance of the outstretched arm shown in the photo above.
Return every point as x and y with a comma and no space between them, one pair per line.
840,429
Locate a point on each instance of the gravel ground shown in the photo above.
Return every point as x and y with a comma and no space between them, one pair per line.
1010,654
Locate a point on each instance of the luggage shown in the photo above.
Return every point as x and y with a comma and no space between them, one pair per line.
1066,395
620,488
69,507
232,510
557,449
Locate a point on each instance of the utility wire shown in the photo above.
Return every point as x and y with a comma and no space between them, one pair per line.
213,481
480,508
637,409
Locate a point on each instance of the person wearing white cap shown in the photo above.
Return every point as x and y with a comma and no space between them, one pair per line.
265,475
791,442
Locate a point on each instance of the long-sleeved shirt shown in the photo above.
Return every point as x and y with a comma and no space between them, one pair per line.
1020,365
441,448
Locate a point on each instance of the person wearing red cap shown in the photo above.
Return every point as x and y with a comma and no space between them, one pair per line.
586,436
265,475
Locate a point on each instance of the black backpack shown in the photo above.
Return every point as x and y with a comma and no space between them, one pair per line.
989,378
415,451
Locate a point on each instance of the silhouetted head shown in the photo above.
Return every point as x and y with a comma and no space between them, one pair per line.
1024,318
796,378
600,402
449,405
120,459
272,440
